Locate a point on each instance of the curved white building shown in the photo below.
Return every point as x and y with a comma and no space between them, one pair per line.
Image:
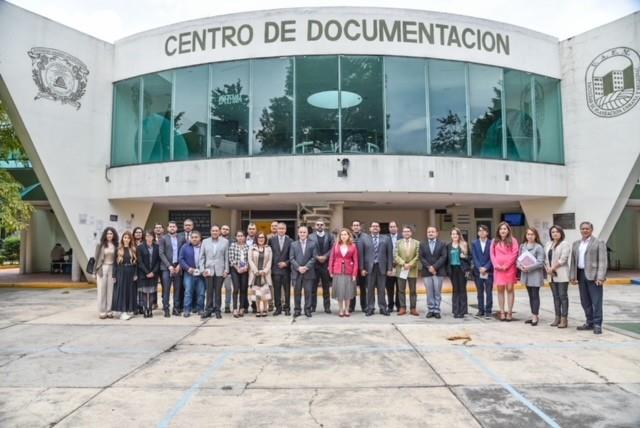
347,113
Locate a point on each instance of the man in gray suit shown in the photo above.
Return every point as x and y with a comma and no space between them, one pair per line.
169,249
214,265
302,256
376,261
589,270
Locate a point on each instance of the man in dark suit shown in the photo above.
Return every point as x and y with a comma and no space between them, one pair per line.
324,242
169,246
280,269
376,261
302,257
483,271
361,281
393,299
433,256
589,270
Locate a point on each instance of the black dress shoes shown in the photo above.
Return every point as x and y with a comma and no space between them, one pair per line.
166,313
227,310
430,315
296,313
205,315
175,312
437,315
369,313
386,313
327,311
218,315
597,329
277,312
479,314
187,314
287,312
584,327
307,313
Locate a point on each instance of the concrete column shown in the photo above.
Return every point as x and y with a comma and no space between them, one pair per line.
24,236
337,216
235,222
431,217
75,268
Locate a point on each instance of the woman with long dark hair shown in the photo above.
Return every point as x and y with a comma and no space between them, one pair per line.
260,257
138,238
343,269
532,272
457,268
504,253
105,257
148,271
557,255
124,273
239,268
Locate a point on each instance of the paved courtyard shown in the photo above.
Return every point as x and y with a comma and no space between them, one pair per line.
61,366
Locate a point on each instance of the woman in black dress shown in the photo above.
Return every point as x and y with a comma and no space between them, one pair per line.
138,238
124,274
148,270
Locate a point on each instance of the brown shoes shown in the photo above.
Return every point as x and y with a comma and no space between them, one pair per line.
402,311
555,322
414,313
563,322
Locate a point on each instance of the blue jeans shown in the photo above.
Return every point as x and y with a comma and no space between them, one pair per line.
193,285
484,287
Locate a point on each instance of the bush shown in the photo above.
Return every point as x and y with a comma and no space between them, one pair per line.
11,249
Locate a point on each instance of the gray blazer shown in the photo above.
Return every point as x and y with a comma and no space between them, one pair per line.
595,260
535,276
385,253
166,250
308,259
560,255
214,257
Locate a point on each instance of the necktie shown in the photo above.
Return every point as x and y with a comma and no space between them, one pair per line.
375,249
432,245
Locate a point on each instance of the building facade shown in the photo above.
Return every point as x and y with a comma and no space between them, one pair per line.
343,113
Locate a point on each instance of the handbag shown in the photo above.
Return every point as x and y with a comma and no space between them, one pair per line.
91,266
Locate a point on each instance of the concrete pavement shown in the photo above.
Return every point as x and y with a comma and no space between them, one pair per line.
61,366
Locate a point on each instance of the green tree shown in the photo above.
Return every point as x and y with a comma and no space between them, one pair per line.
275,120
14,212
451,137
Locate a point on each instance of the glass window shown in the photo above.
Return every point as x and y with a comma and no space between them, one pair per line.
316,93
190,113
406,106
156,114
230,109
272,106
362,104
126,122
485,109
517,88
548,110
447,108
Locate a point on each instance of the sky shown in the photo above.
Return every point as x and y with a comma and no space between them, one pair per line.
111,20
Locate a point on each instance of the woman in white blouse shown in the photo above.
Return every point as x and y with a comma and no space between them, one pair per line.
557,253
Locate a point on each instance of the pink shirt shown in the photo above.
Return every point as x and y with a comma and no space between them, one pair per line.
504,256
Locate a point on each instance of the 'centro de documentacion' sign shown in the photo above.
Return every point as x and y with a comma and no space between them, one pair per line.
369,30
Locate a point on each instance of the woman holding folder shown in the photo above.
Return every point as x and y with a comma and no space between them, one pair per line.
531,265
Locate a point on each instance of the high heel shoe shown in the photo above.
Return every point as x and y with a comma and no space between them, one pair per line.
502,316
509,316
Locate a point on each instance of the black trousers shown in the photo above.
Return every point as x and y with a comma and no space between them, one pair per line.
214,294
240,283
282,285
323,280
361,282
393,299
560,298
307,285
591,299
459,297
534,299
376,284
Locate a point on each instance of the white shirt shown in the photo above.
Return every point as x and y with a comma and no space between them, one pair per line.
582,250
483,244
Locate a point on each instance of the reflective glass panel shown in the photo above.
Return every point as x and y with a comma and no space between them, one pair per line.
190,113
548,110
126,122
485,92
517,89
156,114
447,108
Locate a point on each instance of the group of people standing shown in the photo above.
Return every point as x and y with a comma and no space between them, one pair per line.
259,270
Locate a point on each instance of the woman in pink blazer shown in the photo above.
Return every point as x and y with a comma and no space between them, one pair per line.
343,268
504,253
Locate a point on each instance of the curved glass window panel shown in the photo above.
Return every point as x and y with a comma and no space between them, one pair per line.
316,127
548,120
126,122
485,107
406,106
517,90
156,117
447,108
362,106
230,109
272,106
190,114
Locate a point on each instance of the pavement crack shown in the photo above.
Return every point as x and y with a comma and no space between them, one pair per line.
255,379
595,372
310,407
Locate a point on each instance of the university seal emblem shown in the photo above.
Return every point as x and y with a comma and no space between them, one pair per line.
613,82
58,75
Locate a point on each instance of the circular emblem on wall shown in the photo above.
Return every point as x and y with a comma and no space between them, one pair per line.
613,82
58,75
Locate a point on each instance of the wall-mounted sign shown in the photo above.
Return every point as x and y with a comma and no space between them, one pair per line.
565,220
